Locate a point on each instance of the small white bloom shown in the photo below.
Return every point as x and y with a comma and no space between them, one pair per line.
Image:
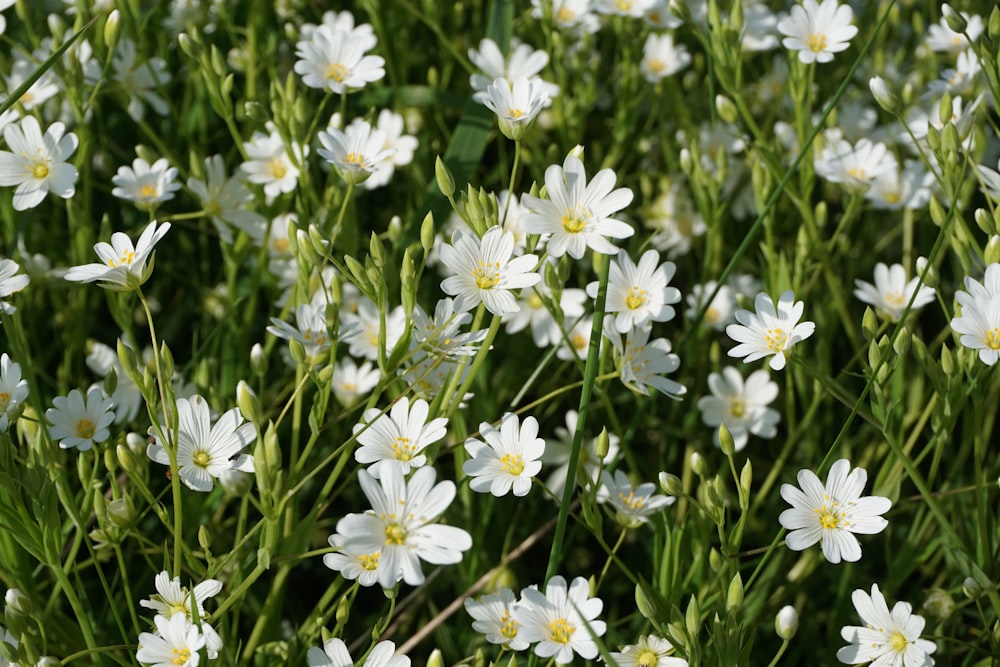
494,618
36,163
175,644
891,292
11,282
367,322
769,331
662,58
833,513
269,163
639,294
205,450
854,166
440,335
817,31
363,33
649,651
509,458
483,271
224,200
353,564
335,654
896,189
576,343
630,8
940,37
334,60
350,381
146,184
396,439
633,504
355,152
39,92
674,221
888,637
400,147
13,390
563,621
577,214
573,16
643,363
78,422
173,599
516,103
741,406
545,330
310,329
979,322
140,81
523,62
720,312
123,267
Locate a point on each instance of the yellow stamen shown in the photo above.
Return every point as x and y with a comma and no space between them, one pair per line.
512,463
336,72
85,428
560,631
816,42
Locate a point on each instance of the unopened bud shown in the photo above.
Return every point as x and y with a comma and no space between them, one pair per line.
929,273
992,253
121,512
698,464
671,484
725,108
884,95
603,444
435,659
692,617
236,482
939,604
18,601
643,603
734,596
112,29
204,537
445,181
869,324
246,401
427,233
726,441
955,21
972,589
258,360
786,623
902,342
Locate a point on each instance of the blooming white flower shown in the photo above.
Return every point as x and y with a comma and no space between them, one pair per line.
123,267
720,311
350,381
940,37
146,184
523,62
10,283
833,513
40,91
633,504
741,406
660,17
760,27
769,331
577,214
36,163
891,292
483,271
363,33
140,81
557,455
631,8
661,57
224,200
335,60
888,637
563,621
533,311
897,189
961,80
335,654
440,335
310,329
516,103
127,398
674,221
573,16
351,563
639,294
355,152
175,644
173,599
649,651
855,166
401,526
401,147
13,390
980,291
817,31
576,343
641,362
206,450
269,163
78,422
494,617
509,458
979,323
367,322
396,439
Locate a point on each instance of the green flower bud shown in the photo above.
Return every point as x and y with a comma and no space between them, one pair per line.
902,342
884,95
955,21
786,623
671,484
726,441
939,604
376,250
698,464
204,537
189,45
445,181
112,29
692,617
258,360
992,254
121,512
602,444
246,401
427,233
972,589
869,324
18,601
725,107
435,659
734,596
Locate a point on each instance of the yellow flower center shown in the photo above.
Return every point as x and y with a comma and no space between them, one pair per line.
647,659
535,301
85,428
124,260
857,172
512,463
148,191
394,534
992,339
370,561
201,458
40,170
776,339
560,631
631,502
277,167
578,342
355,158
656,65
315,337
336,72
894,298
635,298
816,42
403,449
4,401
508,626
515,113
712,315
624,5
737,408
183,655
830,515
487,275
892,197
280,246
574,220
898,642
565,15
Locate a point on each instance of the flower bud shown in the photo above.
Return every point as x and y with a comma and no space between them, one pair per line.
692,617
112,29
188,45
726,441
445,181
734,596
869,324
671,484
18,601
939,604
786,623
698,464
258,360
725,108
992,253
435,659
972,589
121,512
48,661
643,604
603,444
884,95
955,21
246,401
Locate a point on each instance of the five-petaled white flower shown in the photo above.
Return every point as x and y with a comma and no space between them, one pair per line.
397,439
831,514
577,214
649,651
204,450
633,504
11,282
13,390
175,644
400,525
224,200
494,618
123,267
352,563
36,163
335,60
643,363
171,598
508,459
78,422
483,271
335,654
741,406
817,31
891,292
769,331
639,294
888,638
563,621
269,164
356,152
979,323
516,103
146,184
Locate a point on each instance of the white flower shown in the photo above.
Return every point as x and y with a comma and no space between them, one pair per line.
223,199
310,330
363,33
786,622
891,292
509,458
958,81
574,16
80,423
440,336
760,25
888,638
175,644
10,283
39,92
661,58
335,654
127,398
494,617
674,221
557,454
633,504
400,525
355,152
13,390
523,62
140,81
123,267
482,271
576,343
563,621
720,311
742,407
817,31
353,564
769,331
36,163
145,184
335,60
401,147
631,8
942,38
269,165
350,381
545,330
979,323
895,189
832,514
855,166
577,214
204,450
397,439
367,321
173,599
641,362
649,651
516,103
639,293
659,16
